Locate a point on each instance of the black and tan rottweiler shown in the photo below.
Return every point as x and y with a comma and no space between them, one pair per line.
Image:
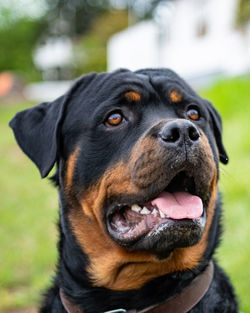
137,156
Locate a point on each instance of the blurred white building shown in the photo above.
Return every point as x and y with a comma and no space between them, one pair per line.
54,58
196,38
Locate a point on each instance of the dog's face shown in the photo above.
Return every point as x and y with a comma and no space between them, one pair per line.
137,156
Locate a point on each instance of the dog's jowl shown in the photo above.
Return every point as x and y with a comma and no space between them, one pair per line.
137,157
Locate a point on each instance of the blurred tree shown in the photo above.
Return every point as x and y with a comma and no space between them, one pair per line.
243,16
91,23
17,40
90,49
143,9
93,19
74,17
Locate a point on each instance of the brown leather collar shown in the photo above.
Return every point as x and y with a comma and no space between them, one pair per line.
181,303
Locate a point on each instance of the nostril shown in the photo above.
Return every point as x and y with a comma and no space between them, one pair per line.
178,131
170,134
193,133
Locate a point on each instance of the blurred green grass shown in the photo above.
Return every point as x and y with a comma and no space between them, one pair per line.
232,99
29,205
27,233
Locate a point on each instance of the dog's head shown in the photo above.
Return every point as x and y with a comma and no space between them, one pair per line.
137,156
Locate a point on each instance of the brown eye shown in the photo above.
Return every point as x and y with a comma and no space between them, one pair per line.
114,119
193,114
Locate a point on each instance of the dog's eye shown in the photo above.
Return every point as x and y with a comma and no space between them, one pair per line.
193,114
114,119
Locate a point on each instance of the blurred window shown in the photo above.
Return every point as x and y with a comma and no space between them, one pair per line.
201,30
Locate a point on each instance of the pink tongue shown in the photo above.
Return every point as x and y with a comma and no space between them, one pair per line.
179,205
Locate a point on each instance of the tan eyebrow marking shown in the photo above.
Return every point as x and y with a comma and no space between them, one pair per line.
133,96
175,96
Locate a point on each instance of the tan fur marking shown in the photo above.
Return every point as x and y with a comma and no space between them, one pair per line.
70,168
115,267
133,96
175,96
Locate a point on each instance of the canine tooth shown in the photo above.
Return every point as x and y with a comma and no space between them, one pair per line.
162,215
136,208
145,211
155,212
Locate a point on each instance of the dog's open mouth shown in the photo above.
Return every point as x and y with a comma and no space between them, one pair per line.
177,207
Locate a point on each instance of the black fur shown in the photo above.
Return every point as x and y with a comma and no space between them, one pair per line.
49,132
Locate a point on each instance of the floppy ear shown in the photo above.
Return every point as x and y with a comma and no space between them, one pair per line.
37,130
217,127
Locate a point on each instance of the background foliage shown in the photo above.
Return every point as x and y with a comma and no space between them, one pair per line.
88,23
17,40
90,50
243,15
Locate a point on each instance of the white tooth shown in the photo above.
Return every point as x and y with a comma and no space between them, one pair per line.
155,212
136,208
162,215
145,211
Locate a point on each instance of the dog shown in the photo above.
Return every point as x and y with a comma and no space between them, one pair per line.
137,167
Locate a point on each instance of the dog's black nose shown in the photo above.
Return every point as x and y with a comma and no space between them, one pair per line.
179,131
